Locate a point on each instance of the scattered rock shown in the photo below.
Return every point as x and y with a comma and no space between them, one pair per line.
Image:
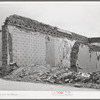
85,75
66,80
54,75
78,85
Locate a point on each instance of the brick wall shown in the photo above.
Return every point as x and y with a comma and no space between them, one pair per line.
79,38
94,40
25,41
26,48
74,55
4,49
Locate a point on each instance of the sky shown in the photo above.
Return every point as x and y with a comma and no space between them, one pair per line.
80,17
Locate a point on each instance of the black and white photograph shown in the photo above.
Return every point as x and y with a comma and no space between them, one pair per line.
51,47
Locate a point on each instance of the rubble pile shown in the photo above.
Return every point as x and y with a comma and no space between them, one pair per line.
55,75
27,73
36,73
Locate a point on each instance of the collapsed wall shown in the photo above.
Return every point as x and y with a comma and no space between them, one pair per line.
88,58
28,42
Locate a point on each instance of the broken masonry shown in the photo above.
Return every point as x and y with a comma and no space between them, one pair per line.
26,42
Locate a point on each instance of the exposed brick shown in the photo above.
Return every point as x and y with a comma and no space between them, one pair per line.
94,48
35,26
74,56
4,48
94,40
28,25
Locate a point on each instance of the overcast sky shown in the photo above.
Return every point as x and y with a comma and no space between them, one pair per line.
80,17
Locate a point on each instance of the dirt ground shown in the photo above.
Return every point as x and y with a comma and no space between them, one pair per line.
27,86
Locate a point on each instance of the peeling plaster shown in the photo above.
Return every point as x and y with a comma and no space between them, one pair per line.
74,56
65,45
88,61
63,48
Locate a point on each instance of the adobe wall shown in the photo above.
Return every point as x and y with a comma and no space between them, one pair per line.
27,41
89,58
63,48
27,47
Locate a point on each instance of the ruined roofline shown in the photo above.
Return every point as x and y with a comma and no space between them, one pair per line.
36,26
94,40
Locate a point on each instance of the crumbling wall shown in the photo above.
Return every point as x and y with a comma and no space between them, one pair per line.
79,38
50,50
35,26
74,55
28,41
58,51
4,47
97,44
33,47
24,33
63,48
27,47
94,41
75,49
88,58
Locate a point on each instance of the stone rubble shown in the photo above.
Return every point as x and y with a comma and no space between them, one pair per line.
54,75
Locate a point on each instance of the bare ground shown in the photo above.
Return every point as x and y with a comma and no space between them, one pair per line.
27,86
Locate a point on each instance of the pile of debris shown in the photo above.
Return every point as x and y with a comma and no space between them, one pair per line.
36,73
54,75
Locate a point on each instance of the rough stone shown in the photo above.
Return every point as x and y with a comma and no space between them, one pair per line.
78,85
74,56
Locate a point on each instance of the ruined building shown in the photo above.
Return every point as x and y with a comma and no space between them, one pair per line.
28,42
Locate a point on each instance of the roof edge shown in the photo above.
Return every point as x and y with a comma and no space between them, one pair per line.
34,25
